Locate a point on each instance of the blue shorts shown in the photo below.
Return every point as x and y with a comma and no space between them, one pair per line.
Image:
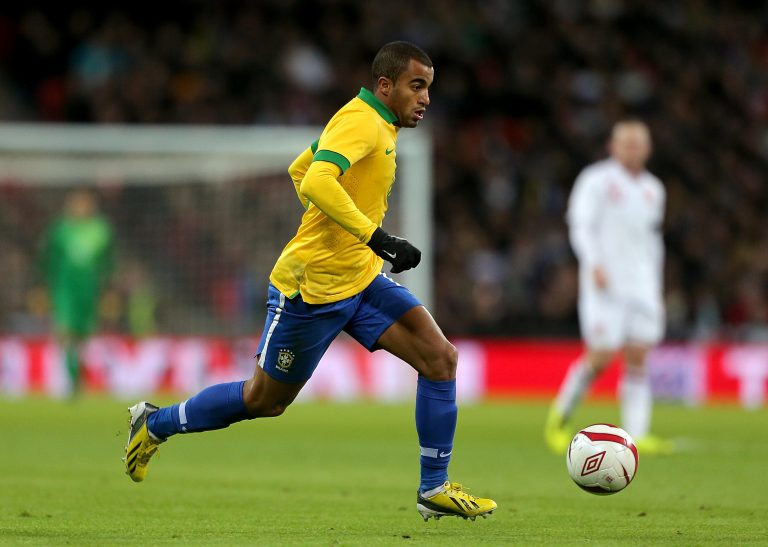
297,334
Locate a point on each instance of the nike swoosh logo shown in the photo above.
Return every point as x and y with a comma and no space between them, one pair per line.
445,454
388,151
390,255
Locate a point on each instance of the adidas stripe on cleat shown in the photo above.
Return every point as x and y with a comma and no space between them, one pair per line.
451,499
141,445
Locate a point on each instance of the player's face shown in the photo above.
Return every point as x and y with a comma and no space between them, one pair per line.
631,146
81,205
409,96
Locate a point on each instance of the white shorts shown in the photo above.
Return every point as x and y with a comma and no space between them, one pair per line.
609,322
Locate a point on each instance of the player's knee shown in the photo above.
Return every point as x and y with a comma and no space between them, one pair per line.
265,409
635,368
599,360
634,357
274,410
260,404
440,365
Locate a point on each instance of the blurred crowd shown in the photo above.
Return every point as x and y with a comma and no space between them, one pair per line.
524,96
191,258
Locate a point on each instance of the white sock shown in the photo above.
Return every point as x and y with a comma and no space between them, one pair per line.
574,386
636,403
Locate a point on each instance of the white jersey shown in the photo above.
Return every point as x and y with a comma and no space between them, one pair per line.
615,222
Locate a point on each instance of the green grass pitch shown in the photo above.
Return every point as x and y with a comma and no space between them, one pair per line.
346,475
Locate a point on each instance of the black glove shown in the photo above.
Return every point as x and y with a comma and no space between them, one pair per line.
396,250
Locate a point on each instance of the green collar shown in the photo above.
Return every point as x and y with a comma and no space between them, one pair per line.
371,100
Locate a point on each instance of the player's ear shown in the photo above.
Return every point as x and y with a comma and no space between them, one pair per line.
384,85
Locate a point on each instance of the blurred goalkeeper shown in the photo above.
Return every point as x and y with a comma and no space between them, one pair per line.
328,279
615,215
77,259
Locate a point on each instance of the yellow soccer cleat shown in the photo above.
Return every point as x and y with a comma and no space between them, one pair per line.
141,445
556,435
654,446
451,499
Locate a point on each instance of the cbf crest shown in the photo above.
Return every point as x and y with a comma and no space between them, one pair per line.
284,359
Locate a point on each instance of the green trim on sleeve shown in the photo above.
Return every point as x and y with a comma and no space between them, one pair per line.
332,157
314,145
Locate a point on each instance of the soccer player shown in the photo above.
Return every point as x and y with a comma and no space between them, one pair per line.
76,259
328,279
615,213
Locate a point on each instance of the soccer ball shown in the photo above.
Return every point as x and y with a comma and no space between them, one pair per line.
602,459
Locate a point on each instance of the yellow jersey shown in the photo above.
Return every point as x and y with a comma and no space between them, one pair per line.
343,180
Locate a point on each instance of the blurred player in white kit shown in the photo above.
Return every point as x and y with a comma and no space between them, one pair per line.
615,216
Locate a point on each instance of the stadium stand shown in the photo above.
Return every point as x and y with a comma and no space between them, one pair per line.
524,97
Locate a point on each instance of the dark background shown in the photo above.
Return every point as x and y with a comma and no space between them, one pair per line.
524,96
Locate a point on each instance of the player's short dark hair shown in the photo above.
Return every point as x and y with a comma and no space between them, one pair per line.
393,59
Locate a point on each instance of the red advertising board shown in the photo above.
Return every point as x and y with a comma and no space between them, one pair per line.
691,373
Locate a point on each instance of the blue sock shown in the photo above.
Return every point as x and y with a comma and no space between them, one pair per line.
435,423
215,407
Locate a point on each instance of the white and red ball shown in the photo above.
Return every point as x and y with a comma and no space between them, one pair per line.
602,459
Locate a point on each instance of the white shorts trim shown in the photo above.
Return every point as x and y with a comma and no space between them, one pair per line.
272,326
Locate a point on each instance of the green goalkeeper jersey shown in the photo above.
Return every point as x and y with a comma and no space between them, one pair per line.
77,256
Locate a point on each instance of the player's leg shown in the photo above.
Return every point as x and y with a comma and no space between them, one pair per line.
416,339
581,373
70,346
635,392
645,330
295,337
215,407
73,319
579,378
602,325
83,312
390,317
221,405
